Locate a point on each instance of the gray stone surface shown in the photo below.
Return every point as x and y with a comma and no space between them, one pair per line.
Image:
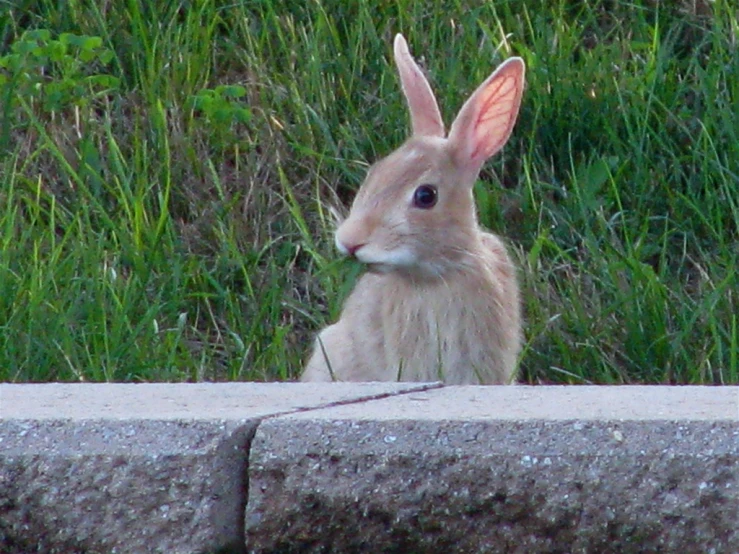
183,400
367,468
502,469
138,468
113,486
549,403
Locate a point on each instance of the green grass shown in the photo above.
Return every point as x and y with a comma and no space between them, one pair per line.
165,191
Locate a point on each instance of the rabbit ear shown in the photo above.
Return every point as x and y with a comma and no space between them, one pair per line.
486,120
425,114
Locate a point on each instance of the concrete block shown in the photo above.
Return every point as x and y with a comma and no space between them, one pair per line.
139,468
502,469
114,486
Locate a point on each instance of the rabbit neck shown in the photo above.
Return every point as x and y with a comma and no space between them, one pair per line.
445,329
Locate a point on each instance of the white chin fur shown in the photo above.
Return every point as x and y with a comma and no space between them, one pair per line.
387,259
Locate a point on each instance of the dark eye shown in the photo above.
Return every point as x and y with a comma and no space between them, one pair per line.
425,197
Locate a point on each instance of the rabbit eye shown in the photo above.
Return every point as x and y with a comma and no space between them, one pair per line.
425,197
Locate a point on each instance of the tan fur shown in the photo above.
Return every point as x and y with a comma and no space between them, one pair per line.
440,299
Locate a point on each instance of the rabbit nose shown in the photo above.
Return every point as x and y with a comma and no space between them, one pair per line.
353,248
349,249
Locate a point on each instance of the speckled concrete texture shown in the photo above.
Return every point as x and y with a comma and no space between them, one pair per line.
502,469
233,468
114,486
138,468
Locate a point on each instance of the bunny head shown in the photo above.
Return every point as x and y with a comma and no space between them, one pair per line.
415,211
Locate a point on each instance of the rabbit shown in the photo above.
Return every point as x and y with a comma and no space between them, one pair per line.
440,299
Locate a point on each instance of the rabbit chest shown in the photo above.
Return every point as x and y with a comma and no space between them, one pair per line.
449,332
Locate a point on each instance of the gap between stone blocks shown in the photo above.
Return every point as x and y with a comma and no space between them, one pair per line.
250,437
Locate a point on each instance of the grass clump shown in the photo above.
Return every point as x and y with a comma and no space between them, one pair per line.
167,172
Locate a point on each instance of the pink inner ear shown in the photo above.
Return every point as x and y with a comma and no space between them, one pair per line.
496,116
486,120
